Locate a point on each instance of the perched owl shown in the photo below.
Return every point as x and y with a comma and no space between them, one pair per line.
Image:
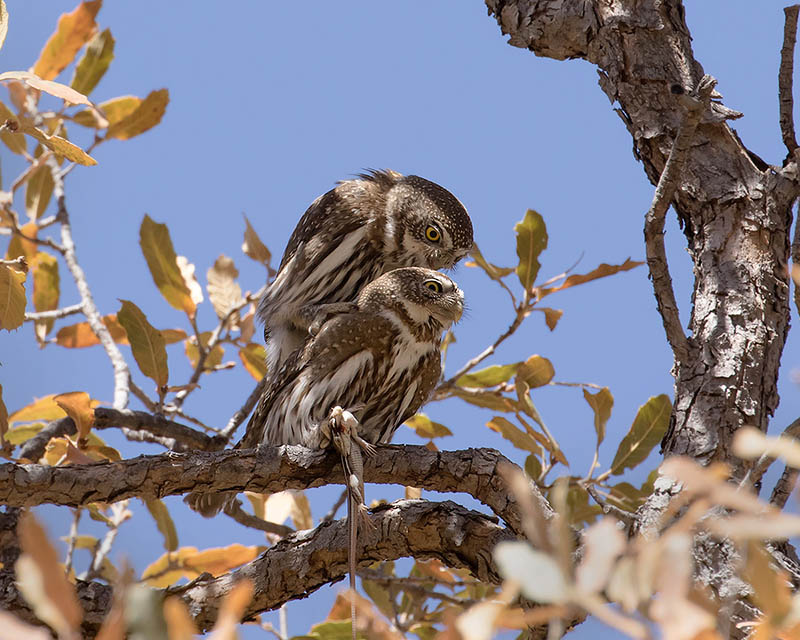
380,361
348,237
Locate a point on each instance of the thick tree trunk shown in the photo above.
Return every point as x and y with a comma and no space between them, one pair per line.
736,214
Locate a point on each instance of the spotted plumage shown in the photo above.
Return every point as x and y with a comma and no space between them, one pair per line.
380,361
348,237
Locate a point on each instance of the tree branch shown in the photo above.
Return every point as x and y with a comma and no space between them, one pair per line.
302,563
55,314
187,437
121,372
264,470
242,413
656,215
785,79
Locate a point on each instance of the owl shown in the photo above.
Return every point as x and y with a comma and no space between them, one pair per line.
379,361
348,237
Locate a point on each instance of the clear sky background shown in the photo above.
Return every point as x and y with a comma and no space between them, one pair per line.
271,103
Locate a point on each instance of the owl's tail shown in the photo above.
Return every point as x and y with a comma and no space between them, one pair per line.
209,504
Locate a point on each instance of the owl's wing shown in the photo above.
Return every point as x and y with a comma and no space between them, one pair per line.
340,342
429,377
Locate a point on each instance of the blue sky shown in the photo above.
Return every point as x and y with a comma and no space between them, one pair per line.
271,105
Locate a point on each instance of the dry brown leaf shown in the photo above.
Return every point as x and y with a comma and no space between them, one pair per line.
73,31
41,579
232,610
78,406
223,290
253,247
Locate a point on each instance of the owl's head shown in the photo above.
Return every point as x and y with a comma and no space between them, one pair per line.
419,295
426,225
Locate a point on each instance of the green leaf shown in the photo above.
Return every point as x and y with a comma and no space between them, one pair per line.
427,428
492,270
146,116
38,191
646,432
24,432
516,436
579,511
147,343
94,63
488,377
536,371
253,357
163,264
626,497
12,297
533,467
164,523
601,403
531,241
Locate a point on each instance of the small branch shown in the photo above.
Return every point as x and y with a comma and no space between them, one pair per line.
331,515
55,314
73,537
235,511
656,215
795,253
121,372
33,449
629,519
784,487
105,418
785,79
263,470
240,415
213,339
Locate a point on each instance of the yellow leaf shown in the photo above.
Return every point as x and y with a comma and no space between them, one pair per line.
73,31
253,358
113,111
78,406
488,377
427,428
147,343
646,432
536,371
38,190
516,436
12,297
165,524
413,493
80,335
60,145
193,353
189,562
45,285
94,63
14,141
493,400
301,511
223,290
253,247
163,264
531,241
42,581
19,246
146,116
41,409
603,271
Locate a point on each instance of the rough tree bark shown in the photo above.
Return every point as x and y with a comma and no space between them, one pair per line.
736,213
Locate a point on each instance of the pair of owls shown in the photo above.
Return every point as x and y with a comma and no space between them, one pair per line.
355,315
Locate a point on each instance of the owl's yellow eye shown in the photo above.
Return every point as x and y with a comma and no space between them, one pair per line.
432,233
433,285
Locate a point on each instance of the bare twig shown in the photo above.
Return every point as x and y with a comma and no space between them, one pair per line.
609,509
213,339
105,418
55,314
34,448
329,517
784,487
73,537
795,253
654,220
121,372
785,78
240,415
235,511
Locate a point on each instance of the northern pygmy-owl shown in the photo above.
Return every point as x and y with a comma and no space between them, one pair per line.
364,227
380,361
